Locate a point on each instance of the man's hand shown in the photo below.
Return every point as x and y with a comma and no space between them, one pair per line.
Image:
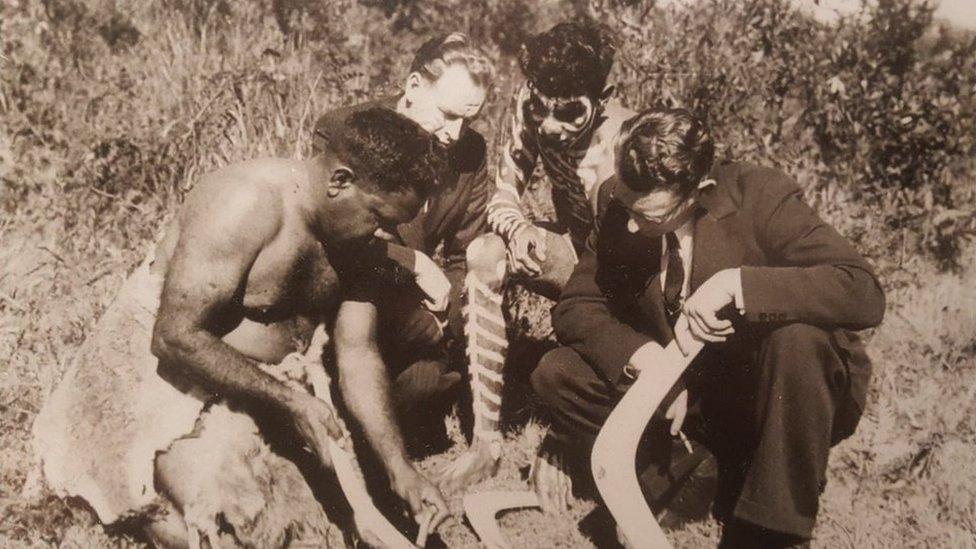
474,465
677,412
528,242
420,494
550,480
316,424
432,281
702,307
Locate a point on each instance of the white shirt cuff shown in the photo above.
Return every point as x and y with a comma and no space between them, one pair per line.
740,301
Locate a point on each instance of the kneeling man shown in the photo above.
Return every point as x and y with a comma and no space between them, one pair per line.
180,406
770,288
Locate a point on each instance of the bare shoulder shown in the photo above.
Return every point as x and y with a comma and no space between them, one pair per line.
239,204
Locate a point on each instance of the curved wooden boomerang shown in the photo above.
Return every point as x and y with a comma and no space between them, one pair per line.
481,508
369,521
613,460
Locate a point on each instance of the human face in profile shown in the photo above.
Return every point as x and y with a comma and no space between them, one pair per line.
443,106
653,213
350,208
561,121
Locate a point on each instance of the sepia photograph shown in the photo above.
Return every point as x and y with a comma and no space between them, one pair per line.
487,273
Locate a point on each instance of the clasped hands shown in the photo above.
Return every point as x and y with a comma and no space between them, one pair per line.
527,251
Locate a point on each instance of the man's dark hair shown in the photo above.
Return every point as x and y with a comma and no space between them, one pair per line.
388,150
667,149
570,59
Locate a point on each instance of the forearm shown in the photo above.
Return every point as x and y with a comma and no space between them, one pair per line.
517,162
836,295
366,391
221,369
585,321
505,215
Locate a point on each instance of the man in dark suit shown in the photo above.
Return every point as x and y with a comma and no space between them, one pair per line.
770,288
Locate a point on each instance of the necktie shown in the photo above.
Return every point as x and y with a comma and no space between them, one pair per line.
674,278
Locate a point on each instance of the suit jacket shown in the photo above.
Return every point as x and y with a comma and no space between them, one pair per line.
454,214
795,268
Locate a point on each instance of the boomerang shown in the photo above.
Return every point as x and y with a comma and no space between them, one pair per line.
371,524
482,507
614,456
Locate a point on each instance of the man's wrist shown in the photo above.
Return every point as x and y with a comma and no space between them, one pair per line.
292,400
735,281
520,227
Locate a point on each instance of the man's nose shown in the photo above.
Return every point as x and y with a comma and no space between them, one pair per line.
551,126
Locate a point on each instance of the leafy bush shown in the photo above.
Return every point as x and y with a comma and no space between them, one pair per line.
870,111
106,105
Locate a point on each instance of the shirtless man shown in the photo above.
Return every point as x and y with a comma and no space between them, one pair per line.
563,115
260,254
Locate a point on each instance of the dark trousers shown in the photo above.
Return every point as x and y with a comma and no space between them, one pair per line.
768,405
425,381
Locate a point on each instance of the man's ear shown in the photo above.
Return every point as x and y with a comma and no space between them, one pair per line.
414,82
342,179
606,94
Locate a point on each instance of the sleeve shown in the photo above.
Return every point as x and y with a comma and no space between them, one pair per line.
365,274
815,276
584,320
516,163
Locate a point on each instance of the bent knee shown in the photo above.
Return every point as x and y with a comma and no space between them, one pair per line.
549,378
802,352
486,257
799,336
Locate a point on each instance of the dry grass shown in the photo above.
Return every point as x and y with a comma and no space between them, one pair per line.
98,139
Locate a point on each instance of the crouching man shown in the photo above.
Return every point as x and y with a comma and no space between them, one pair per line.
180,407
770,288
444,92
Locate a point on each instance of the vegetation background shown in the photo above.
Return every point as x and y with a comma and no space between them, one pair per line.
110,110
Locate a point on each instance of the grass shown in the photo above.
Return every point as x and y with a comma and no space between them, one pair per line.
103,130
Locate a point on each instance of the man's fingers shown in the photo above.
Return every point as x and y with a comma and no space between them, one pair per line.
565,490
333,428
433,501
539,247
679,419
715,325
324,455
440,515
700,331
682,335
529,263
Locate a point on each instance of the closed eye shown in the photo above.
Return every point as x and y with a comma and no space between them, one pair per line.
571,112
